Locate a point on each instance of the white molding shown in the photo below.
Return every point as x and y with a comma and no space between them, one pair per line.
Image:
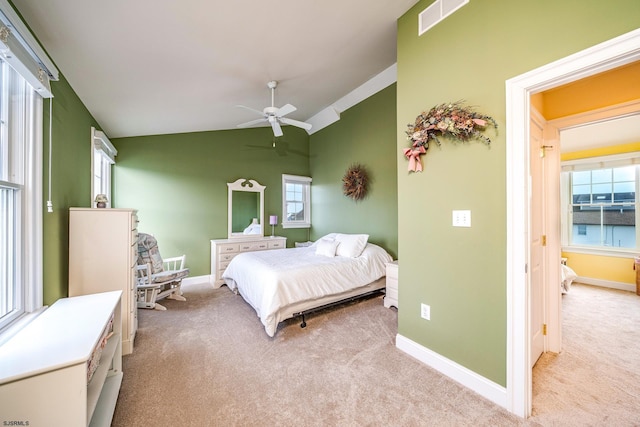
24,32
481,385
605,56
606,283
196,280
331,114
624,109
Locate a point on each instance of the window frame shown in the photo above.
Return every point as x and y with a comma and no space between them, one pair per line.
21,155
103,150
566,191
305,181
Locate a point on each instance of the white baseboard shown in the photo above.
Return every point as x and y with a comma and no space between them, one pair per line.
481,385
196,280
606,283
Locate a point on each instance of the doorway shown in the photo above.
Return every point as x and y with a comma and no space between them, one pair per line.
611,54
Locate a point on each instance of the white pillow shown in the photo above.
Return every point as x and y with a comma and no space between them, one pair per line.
351,245
330,236
326,247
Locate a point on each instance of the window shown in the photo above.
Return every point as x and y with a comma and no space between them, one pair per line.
20,196
102,157
600,199
296,201
25,75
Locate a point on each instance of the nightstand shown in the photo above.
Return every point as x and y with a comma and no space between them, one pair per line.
303,244
391,296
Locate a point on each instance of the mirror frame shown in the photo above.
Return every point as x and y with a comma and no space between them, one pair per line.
246,185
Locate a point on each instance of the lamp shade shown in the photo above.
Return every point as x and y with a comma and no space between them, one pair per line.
273,220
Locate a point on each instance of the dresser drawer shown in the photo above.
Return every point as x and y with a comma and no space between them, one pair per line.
230,248
392,283
253,246
227,257
278,244
223,264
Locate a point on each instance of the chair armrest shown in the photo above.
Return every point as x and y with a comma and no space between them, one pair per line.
151,286
174,263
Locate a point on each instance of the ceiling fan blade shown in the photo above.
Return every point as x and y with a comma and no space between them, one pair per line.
252,122
277,130
296,123
250,109
286,109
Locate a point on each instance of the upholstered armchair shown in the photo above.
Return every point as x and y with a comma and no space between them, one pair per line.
157,278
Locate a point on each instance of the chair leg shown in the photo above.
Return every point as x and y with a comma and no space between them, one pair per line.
157,306
176,296
177,293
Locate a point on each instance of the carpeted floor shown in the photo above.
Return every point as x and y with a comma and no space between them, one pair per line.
208,362
595,380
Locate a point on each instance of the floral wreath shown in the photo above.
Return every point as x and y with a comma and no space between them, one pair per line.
454,120
354,182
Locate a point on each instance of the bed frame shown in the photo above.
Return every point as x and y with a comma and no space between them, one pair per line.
303,308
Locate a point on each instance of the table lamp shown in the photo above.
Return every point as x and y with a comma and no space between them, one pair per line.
273,220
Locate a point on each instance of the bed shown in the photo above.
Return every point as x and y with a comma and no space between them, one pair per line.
284,283
567,277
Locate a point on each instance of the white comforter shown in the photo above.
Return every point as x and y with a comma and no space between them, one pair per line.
271,280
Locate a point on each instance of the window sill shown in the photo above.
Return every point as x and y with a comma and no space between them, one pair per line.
294,225
617,253
15,327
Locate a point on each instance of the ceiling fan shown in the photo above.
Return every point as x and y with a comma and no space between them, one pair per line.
275,115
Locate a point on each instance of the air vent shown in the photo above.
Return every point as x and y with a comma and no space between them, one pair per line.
435,13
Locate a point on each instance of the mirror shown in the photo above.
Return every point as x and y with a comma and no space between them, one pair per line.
246,209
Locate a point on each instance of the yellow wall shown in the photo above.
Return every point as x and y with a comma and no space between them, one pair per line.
608,268
602,151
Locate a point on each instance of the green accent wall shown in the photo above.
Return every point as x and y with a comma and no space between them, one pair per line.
365,134
70,182
461,272
178,183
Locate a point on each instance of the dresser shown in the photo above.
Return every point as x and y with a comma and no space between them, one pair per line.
103,252
391,296
65,367
223,251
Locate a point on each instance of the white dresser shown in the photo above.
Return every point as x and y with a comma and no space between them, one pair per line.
391,296
44,374
223,251
103,253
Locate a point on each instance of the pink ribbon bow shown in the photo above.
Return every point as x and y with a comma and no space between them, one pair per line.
413,155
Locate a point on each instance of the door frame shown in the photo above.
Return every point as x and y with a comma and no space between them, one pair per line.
602,57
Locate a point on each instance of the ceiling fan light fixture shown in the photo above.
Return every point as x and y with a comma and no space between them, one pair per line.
275,115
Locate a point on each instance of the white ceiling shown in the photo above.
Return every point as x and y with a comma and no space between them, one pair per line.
148,67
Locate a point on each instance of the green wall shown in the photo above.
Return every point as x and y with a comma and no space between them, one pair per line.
364,134
70,182
461,272
178,183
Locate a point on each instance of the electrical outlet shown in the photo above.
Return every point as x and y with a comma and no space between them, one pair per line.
425,311
461,218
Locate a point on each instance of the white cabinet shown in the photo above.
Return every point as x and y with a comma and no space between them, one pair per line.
223,251
391,296
103,253
44,369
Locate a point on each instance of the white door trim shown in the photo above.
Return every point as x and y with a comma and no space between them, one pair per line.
605,56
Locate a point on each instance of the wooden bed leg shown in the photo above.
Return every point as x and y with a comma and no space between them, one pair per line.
303,324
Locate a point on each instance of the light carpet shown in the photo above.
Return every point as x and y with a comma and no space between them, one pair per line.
209,362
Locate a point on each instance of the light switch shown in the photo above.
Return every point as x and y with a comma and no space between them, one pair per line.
462,218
